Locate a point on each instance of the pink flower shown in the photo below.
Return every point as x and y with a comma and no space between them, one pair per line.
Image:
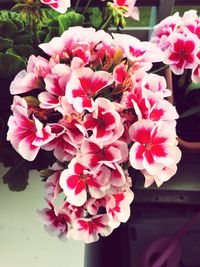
97,155
78,177
27,136
196,70
181,54
155,83
154,147
68,138
104,123
38,65
52,185
88,230
59,5
142,54
55,84
164,29
24,82
118,208
164,175
55,223
85,84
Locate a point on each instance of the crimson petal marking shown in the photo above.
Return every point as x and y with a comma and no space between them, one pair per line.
149,156
143,135
72,181
139,152
79,168
97,85
189,46
80,187
159,151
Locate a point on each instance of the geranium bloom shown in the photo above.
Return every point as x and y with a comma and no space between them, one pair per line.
77,178
181,54
56,223
154,147
90,229
85,84
118,208
55,84
59,5
104,122
26,135
96,155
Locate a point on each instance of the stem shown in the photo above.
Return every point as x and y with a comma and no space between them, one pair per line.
104,26
160,69
77,4
86,7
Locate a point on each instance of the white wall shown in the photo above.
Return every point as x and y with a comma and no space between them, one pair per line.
23,240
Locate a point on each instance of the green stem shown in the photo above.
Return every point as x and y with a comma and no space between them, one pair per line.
105,25
86,7
77,4
160,69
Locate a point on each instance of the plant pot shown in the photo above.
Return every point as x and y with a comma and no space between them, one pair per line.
189,146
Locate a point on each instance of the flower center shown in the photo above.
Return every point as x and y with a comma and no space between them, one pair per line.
149,146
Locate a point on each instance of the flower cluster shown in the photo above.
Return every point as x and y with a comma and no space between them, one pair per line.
179,38
93,103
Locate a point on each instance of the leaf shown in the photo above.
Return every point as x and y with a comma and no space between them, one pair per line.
5,43
10,65
190,112
53,31
23,38
7,29
40,36
96,17
13,17
21,50
192,86
69,19
17,176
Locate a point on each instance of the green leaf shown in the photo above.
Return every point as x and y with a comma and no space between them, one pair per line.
69,19
10,65
193,86
40,36
17,176
7,29
13,17
5,43
191,111
53,31
23,38
21,50
96,17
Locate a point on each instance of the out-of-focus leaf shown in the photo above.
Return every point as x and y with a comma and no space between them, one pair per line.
69,19
53,31
7,29
21,50
96,17
5,43
192,86
12,17
23,38
17,176
10,65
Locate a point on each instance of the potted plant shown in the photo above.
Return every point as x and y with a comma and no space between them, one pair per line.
89,100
